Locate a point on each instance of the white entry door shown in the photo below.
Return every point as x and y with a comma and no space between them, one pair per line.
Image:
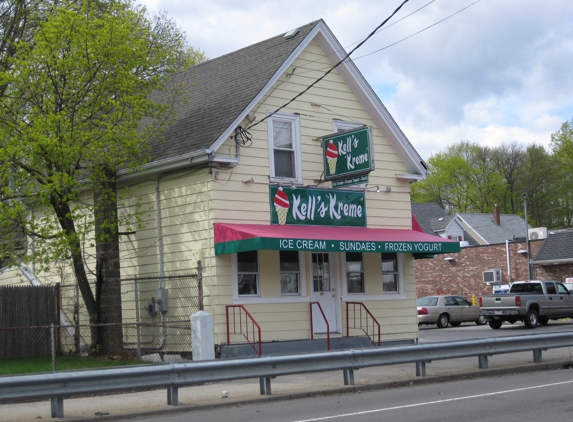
325,292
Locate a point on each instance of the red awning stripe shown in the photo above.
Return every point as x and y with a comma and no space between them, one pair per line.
236,237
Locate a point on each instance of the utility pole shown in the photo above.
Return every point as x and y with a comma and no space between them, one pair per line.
527,237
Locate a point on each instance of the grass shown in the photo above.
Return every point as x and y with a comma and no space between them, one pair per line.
63,363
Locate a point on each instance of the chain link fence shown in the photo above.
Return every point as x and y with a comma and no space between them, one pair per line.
47,348
156,328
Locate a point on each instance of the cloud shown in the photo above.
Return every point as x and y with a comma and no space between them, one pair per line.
498,71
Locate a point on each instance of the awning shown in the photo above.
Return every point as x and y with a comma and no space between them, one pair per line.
231,238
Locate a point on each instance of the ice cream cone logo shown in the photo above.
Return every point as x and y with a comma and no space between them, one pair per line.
331,157
282,205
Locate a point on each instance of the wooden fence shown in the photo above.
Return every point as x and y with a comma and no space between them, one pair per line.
26,313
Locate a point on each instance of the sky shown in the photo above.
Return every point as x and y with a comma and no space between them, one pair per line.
495,72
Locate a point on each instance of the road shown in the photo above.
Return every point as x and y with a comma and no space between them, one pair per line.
517,397
544,396
470,331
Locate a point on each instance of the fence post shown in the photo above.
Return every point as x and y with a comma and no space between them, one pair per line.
53,339
137,324
200,283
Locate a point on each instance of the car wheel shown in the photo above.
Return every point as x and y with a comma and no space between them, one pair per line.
543,319
443,321
455,324
481,320
495,323
531,319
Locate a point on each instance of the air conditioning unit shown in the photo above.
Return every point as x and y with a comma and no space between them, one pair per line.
537,233
493,276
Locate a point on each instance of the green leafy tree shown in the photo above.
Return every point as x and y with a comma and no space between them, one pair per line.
76,94
461,179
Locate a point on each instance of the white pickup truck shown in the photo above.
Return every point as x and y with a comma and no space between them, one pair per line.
533,302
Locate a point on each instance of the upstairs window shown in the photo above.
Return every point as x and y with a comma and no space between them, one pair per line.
284,147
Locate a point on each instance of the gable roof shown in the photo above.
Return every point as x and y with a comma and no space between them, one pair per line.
556,249
511,226
221,92
430,216
433,219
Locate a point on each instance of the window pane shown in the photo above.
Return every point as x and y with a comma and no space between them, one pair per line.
354,272
320,273
247,284
355,282
550,288
390,282
389,262
289,283
247,262
284,163
289,260
282,134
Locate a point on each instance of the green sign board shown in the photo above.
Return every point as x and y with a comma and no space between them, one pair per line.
347,154
317,207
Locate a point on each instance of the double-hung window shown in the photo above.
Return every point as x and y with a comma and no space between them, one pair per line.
354,272
284,147
248,273
290,273
390,273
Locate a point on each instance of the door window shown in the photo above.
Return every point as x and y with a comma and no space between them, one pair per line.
320,272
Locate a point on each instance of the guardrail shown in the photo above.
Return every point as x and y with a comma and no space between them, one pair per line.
58,386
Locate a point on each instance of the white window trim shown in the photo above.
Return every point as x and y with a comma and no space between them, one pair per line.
234,264
301,278
245,300
293,118
341,125
399,295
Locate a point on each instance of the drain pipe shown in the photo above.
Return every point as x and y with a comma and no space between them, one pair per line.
508,258
160,252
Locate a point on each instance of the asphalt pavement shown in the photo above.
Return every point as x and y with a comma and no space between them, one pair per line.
109,407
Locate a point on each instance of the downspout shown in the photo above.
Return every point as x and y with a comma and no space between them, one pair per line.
508,260
160,252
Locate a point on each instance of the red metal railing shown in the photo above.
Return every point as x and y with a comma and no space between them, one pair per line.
362,319
240,322
325,320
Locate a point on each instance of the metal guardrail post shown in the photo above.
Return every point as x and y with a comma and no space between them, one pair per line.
57,407
348,376
173,396
265,386
421,369
537,355
482,361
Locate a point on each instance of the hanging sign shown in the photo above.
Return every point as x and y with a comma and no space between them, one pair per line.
347,154
317,207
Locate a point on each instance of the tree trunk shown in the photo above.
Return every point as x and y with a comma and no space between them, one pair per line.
108,339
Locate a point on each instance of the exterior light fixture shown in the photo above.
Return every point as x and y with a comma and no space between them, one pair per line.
449,258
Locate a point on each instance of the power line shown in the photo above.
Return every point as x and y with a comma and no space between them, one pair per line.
420,31
333,67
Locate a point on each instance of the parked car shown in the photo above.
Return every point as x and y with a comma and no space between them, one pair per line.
444,310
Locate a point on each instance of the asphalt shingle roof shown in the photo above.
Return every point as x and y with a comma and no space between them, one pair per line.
511,226
429,215
558,247
217,91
